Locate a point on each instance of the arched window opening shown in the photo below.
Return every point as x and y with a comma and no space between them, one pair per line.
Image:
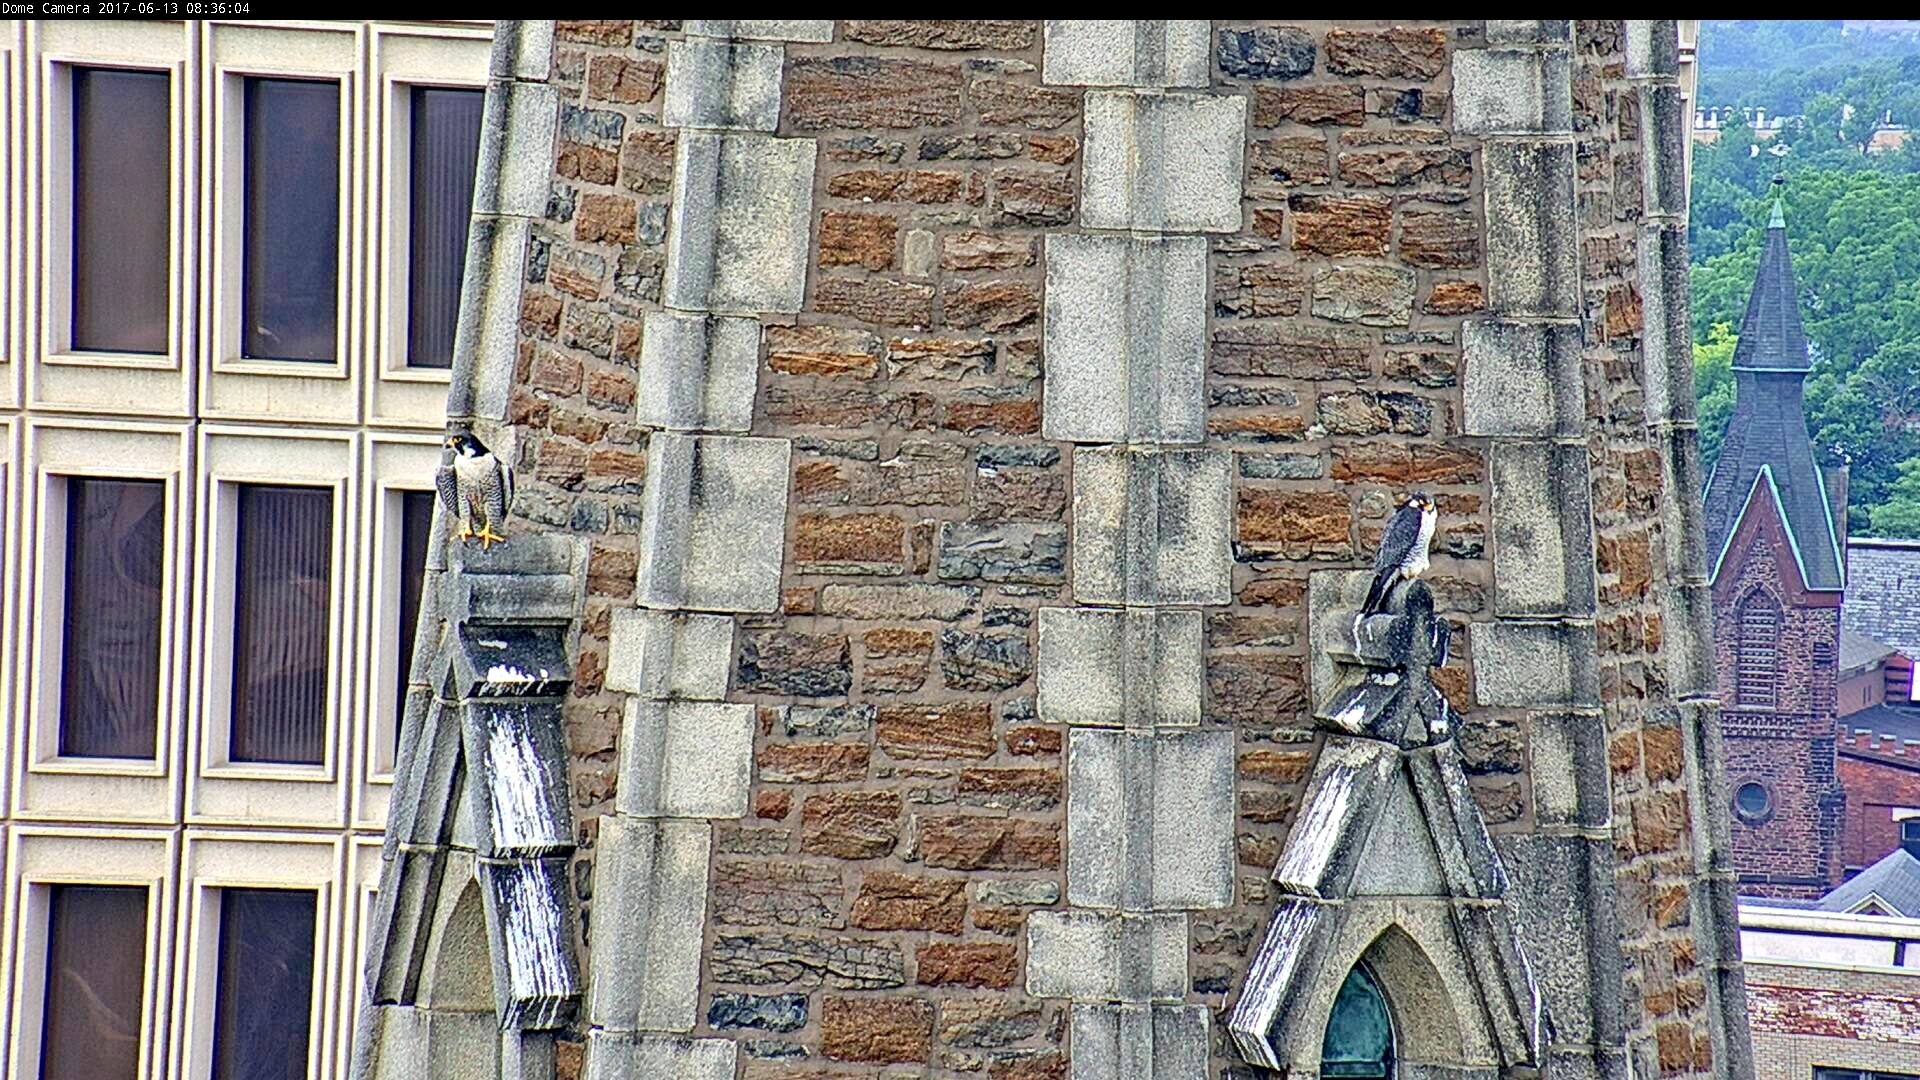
1359,1039
1756,659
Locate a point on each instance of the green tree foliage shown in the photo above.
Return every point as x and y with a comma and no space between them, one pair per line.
1713,390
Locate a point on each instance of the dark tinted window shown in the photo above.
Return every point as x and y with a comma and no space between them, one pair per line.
1359,1038
290,306
282,585
110,647
122,129
96,960
416,524
264,996
445,149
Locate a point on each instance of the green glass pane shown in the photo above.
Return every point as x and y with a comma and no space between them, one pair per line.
1359,1040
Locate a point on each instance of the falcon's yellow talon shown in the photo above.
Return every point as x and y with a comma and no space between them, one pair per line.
488,537
466,532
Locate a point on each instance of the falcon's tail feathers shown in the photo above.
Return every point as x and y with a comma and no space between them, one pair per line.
1378,592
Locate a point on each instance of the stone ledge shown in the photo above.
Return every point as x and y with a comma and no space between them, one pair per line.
1521,379
1102,957
685,759
1503,91
1163,162
714,525
722,84
1542,529
1150,819
697,373
740,223
664,655
1120,667
1125,339
650,908
1140,1042
1152,526
1125,52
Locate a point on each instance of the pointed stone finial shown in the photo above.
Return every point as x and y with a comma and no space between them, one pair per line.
1779,218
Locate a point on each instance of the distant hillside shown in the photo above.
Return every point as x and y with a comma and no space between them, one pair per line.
1782,65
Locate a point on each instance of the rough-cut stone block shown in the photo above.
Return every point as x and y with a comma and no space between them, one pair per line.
1034,554
717,84
634,1056
1151,526
1568,757
1653,47
1521,379
737,240
1529,32
1119,668
660,654
1666,336
1329,836
1558,897
1126,339
1528,663
1127,52
697,373
1163,162
526,114
1103,956
1533,248
712,530
1663,130
1512,91
1687,611
815,30
1140,1042
1150,819
1542,529
689,759
649,910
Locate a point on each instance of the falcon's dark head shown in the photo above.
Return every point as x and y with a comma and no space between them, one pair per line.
464,444
1420,499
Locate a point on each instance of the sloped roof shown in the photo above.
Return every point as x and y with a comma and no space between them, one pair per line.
1859,652
1894,880
1883,592
1767,435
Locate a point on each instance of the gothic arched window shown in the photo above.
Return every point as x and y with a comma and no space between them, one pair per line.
1756,654
1359,1039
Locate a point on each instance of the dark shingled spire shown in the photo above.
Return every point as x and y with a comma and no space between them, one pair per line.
1768,430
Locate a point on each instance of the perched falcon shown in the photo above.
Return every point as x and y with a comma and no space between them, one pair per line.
475,489
1403,550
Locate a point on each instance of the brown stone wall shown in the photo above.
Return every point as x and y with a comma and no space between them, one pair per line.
907,805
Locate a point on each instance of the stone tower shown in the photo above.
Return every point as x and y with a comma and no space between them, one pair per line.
1776,534
944,453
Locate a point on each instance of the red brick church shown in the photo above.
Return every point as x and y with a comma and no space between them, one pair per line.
1812,802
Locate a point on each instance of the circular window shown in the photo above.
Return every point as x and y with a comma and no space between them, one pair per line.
1752,801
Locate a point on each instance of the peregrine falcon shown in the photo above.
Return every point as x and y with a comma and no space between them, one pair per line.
1403,550
475,489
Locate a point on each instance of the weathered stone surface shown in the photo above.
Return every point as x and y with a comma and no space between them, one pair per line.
980,966
651,895
851,963
776,893
879,1030
1315,105
1333,225
828,351
850,824
1370,295
697,373
711,533
1003,553
939,359
988,1022
715,84
812,763
1151,526
789,662
1125,338
855,239
776,1012
762,29
986,251
613,1055
1119,668
849,543
976,842
935,732
1532,245
1543,557
898,602
1100,956
1517,91
959,34
1141,1040
984,661
1163,162
1440,239
668,654
1284,52
738,239
891,901
827,721
1151,819
1023,105
1278,165
1122,52
1551,664
857,92
1521,379
685,759
1395,53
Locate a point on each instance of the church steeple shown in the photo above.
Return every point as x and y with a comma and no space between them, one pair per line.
1766,452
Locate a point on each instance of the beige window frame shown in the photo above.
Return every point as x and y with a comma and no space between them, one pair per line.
396,464
155,47
12,267
99,789
39,858
220,790
361,895
212,861
440,56
235,386
11,605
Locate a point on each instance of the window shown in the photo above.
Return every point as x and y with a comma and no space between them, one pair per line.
282,602
1754,672
264,987
96,963
110,648
443,154
1359,1039
122,133
416,527
1752,802
290,277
